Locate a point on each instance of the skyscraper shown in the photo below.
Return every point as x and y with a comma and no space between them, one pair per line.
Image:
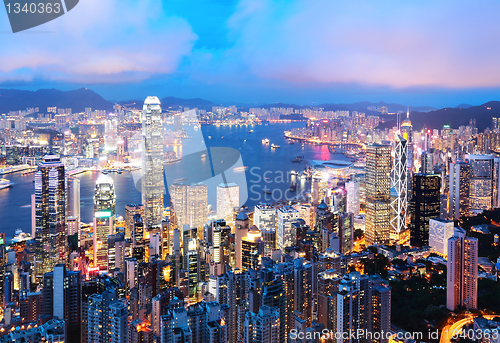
440,230
462,265
284,236
353,203
104,214
458,196
152,163
424,205
399,184
74,197
378,183
189,204
265,216
50,214
227,199
483,182
130,212
264,326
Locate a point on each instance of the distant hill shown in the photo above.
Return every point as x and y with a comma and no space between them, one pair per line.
454,117
363,107
172,102
464,106
78,100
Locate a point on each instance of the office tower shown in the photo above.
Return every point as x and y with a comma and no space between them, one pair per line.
458,196
228,197
61,296
353,196
273,296
263,327
74,197
50,214
241,226
483,191
98,316
440,230
378,183
130,212
328,285
286,216
73,225
237,290
462,269
269,240
399,184
188,204
264,216
131,272
118,319
104,216
192,267
152,163
306,212
30,306
8,288
303,289
116,251
407,133
424,205
345,233
251,249
427,164
138,241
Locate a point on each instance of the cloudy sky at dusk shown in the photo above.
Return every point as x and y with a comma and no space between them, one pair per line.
257,51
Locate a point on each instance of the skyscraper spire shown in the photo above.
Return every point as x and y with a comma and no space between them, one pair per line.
408,113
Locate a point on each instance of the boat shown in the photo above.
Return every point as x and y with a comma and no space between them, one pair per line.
105,172
265,141
274,146
303,144
293,187
119,171
20,236
267,192
291,142
203,156
250,131
4,183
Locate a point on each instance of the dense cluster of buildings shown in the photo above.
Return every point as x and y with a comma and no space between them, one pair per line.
180,272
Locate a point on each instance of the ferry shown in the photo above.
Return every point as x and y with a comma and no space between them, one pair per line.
274,146
20,236
4,183
265,141
250,131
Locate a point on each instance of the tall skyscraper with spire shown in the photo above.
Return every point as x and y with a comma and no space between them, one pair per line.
152,163
399,185
50,215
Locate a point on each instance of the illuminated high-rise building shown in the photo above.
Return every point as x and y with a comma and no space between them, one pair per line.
407,133
378,183
189,204
353,197
483,191
152,163
399,184
50,214
264,326
74,198
130,212
424,205
227,199
251,249
284,237
458,196
440,230
104,215
265,216
462,269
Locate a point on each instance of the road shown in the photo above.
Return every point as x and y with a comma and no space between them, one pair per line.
456,327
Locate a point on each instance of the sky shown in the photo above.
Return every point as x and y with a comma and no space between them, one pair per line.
304,52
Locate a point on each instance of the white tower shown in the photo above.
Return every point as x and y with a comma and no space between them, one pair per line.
399,184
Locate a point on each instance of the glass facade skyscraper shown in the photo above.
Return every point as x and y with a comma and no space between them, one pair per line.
152,163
